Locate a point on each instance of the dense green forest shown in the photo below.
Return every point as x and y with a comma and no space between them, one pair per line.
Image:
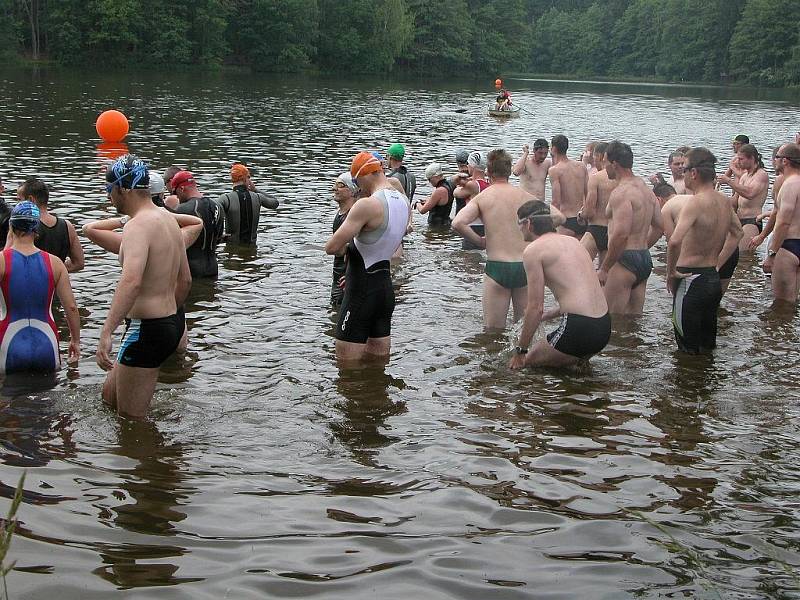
752,41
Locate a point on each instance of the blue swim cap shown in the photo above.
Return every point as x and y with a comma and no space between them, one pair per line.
129,172
25,217
378,155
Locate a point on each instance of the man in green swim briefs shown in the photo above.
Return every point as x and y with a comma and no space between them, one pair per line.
504,282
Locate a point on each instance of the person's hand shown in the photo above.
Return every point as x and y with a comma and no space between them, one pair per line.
341,282
755,242
517,361
767,264
409,229
103,354
525,149
673,279
581,219
250,185
74,352
602,275
724,179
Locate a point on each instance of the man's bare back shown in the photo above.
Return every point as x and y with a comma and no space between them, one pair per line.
634,198
569,180
497,206
711,215
599,190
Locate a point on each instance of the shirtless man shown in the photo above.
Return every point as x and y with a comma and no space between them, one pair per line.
569,180
749,192
558,262
532,170
155,280
734,168
783,254
773,212
707,228
633,222
599,188
504,281
371,232
675,163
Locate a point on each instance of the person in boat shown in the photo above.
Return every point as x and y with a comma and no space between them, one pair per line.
29,278
503,100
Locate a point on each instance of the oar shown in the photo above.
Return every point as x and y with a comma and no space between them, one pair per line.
460,110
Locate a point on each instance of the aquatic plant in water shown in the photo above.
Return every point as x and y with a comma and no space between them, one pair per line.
7,532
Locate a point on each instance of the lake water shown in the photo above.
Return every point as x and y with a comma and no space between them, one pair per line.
264,471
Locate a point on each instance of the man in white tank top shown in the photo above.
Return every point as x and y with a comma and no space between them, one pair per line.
370,234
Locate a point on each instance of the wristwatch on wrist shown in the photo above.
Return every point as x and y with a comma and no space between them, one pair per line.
124,219
520,350
772,253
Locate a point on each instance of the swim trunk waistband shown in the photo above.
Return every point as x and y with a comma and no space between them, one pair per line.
792,245
751,221
572,224
697,270
511,275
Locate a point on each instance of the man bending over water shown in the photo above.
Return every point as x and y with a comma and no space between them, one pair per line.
560,263
155,281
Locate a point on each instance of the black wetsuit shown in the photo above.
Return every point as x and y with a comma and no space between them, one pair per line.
339,265
202,254
406,179
439,216
242,211
55,239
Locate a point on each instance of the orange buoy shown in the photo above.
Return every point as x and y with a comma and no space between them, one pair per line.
112,126
498,83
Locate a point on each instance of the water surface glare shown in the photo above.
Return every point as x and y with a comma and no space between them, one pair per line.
266,471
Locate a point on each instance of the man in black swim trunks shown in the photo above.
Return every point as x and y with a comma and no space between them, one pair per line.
154,282
560,263
203,253
783,254
568,181
707,228
634,224
599,189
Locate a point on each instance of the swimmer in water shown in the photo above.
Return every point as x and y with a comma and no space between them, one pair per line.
559,263
29,277
344,193
371,232
243,206
155,281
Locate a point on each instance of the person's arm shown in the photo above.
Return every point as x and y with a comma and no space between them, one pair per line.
75,259
434,200
555,186
656,224
686,219
759,239
590,204
136,253
622,217
191,227
67,299
557,216
755,186
104,234
465,216
782,222
358,216
266,200
534,309
466,191
184,283
666,219
732,238
172,202
519,167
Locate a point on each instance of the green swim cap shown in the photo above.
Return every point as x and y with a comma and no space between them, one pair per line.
396,151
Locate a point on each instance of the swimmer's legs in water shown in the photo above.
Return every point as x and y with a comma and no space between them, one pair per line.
618,289
544,355
750,231
130,390
496,300
785,277
519,301
587,241
376,349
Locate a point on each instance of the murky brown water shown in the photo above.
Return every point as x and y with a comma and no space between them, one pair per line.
264,471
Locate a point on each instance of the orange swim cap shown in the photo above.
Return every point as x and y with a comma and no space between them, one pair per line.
364,163
239,172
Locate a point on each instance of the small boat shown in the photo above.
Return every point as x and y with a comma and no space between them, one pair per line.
511,112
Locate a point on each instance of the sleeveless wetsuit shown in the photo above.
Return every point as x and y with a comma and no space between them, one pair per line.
202,254
242,211
439,216
339,266
55,239
368,302
28,334
406,179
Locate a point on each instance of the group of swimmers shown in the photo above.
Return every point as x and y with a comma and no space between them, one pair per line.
599,211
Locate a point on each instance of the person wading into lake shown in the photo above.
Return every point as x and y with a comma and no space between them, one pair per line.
634,224
242,206
439,204
28,279
371,232
397,170
468,189
344,193
532,170
56,235
599,189
155,280
203,253
568,180
504,281
559,263
707,228
783,254
750,191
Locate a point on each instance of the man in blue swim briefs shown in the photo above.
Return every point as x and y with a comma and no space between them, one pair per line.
634,224
783,254
707,229
504,282
148,294
560,263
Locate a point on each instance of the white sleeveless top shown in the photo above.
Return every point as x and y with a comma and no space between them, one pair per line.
380,244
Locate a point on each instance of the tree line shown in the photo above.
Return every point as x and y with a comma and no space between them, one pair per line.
750,41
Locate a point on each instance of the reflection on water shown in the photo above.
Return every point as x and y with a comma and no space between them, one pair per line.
266,470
